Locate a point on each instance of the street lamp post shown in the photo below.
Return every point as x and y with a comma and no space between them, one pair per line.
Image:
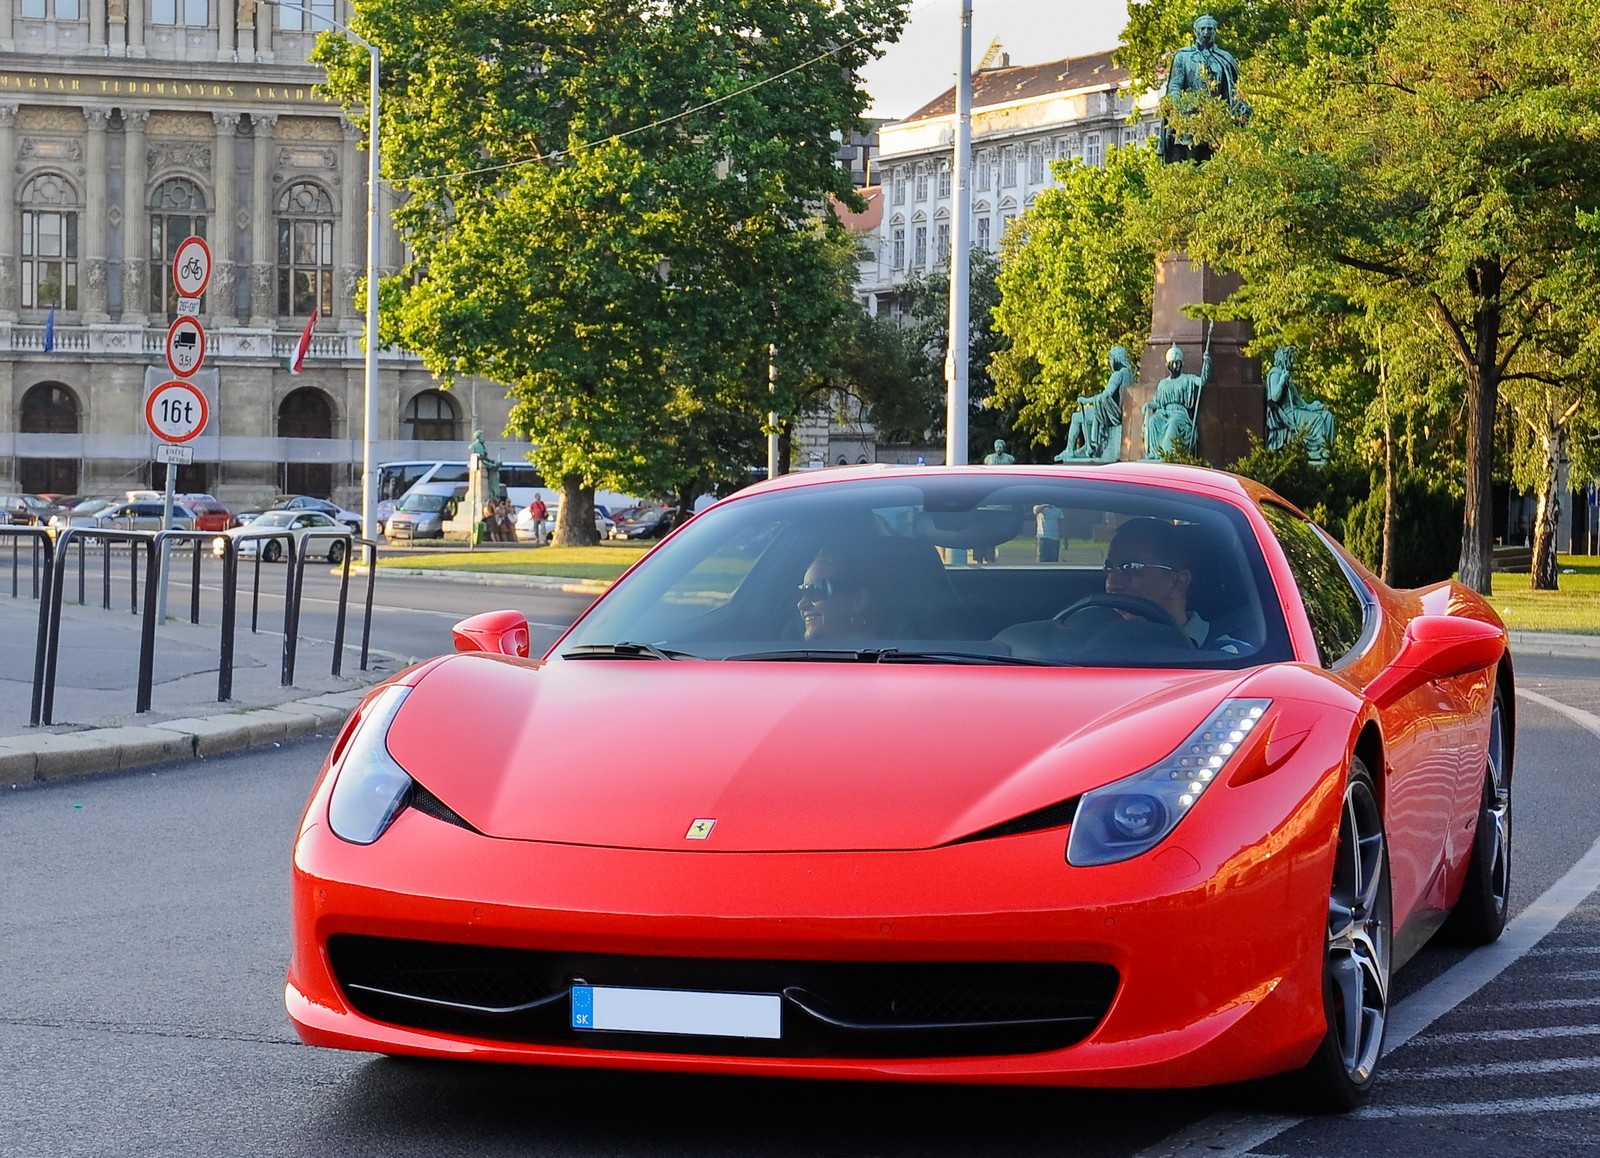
369,477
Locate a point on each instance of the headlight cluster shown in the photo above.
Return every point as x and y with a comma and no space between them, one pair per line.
1134,814
370,788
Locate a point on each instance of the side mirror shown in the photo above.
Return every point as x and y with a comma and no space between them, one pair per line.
494,632
1437,647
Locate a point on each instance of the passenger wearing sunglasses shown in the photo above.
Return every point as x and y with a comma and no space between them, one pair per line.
835,601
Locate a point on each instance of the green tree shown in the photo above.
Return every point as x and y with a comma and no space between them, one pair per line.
612,215
915,410
1437,157
1075,279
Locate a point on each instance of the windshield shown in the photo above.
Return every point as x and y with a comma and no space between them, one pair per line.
274,519
423,503
952,568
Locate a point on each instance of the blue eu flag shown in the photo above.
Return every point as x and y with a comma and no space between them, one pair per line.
50,331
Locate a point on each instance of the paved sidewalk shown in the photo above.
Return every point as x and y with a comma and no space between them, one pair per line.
96,729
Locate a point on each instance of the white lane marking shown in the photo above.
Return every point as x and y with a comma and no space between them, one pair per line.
1558,950
1577,715
1533,1034
1229,1135
1555,1104
1544,1003
1549,1065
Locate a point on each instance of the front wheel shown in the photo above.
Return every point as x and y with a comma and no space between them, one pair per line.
1480,914
272,551
1355,959
336,552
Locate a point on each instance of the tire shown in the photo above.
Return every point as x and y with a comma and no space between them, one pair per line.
272,551
1480,913
1356,960
336,552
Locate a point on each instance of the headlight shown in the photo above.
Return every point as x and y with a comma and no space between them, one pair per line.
1135,814
219,545
371,788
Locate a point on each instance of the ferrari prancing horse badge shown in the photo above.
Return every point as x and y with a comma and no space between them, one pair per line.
699,830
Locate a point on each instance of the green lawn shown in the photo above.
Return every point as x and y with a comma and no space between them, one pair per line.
606,561
1575,608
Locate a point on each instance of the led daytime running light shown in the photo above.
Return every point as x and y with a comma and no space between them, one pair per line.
1133,815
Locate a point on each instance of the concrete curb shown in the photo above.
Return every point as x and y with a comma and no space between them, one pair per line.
48,756
1550,643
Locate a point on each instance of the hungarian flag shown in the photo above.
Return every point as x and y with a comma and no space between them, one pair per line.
304,344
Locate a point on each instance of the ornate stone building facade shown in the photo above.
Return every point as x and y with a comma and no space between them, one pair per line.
128,125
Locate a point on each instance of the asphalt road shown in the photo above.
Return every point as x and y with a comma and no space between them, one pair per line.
143,940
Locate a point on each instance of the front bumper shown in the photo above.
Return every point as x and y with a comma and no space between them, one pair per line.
1216,943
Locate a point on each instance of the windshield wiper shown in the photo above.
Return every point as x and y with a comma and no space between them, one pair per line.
899,655
624,650
893,655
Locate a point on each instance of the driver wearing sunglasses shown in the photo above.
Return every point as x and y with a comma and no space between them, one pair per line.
1146,560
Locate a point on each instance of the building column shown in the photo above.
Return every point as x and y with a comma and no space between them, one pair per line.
7,43
352,224
224,247
137,10
116,27
97,25
263,298
135,217
95,292
226,30
8,201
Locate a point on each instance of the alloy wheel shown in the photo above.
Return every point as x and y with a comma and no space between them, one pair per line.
1358,956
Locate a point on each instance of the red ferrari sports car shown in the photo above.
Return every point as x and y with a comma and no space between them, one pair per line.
1102,776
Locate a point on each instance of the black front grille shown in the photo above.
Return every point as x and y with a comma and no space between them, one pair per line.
831,1008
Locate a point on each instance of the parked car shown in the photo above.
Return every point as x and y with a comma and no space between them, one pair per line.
27,510
1167,808
645,523
315,534
139,516
85,506
209,514
424,511
351,519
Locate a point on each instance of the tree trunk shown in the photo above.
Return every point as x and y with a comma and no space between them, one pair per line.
1390,501
1548,515
1483,388
574,525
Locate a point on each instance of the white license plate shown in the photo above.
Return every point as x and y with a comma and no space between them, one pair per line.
677,1011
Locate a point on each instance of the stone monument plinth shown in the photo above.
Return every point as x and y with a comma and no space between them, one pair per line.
1232,404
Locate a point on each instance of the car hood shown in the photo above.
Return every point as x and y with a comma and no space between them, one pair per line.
783,756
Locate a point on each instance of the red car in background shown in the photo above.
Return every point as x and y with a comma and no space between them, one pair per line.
1162,801
209,514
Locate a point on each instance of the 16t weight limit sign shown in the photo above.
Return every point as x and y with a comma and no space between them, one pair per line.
176,411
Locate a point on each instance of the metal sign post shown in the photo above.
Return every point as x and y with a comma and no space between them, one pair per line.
175,411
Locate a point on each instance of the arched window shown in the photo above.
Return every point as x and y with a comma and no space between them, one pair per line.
305,251
49,244
306,413
48,408
431,417
177,211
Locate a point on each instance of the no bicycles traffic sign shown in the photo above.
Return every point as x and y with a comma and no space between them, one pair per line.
191,267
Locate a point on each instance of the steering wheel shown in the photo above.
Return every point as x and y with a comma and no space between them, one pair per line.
1132,604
